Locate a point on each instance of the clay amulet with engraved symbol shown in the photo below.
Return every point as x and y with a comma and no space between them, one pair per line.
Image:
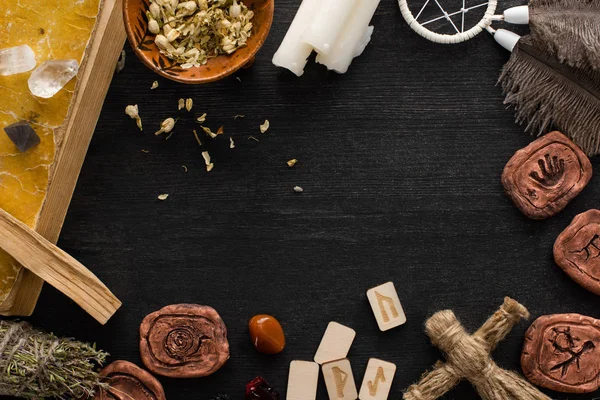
184,341
128,381
577,250
562,353
543,177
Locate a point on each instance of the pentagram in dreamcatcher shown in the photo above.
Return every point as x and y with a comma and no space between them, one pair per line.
448,21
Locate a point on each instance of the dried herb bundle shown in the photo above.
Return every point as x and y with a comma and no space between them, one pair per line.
546,93
35,364
568,29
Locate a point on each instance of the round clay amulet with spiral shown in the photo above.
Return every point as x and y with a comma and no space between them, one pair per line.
542,178
184,341
128,381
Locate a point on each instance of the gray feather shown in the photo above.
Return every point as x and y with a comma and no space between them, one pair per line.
546,93
570,30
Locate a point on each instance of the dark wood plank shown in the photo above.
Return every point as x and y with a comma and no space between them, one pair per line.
400,161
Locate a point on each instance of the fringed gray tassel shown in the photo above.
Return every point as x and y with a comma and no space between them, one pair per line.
568,29
546,93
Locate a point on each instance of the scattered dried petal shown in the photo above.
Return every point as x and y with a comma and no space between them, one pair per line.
292,162
208,131
298,189
209,165
239,116
185,169
189,103
265,126
238,79
166,126
163,197
145,151
133,112
253,138
121,62
202,118
181,104
154,85
197,138
220,131
231,144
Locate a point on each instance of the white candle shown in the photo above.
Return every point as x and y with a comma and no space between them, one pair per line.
353,39
328,23
293,53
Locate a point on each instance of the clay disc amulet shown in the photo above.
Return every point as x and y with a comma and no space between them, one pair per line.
184,341
543,177
577,250
562,353
128,381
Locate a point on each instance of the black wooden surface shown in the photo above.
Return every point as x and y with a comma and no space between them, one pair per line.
400,161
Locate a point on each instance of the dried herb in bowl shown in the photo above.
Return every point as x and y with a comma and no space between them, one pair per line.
191,32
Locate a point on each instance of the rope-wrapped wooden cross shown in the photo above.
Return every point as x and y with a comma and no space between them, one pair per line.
468,357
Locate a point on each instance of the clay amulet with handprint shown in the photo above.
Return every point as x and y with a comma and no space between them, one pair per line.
543,177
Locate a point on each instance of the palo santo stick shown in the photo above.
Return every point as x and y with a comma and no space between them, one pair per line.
292,53
354,38
328,23
57,268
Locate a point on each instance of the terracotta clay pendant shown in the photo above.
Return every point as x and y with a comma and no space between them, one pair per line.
184,341
128,381
577,248
562,353
543,177
266,334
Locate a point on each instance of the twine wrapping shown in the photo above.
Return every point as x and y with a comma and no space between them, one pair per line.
468,357
36,365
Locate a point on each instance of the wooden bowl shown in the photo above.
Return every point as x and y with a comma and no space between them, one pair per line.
142,42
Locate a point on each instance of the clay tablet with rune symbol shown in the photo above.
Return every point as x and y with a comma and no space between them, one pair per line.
184,341
543,177
128,381
562,353
577,250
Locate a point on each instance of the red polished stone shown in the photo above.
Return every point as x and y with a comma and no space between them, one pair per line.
266,334
259,389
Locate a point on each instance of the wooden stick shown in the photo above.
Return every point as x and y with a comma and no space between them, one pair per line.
57,268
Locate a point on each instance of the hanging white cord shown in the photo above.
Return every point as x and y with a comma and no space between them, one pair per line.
460,35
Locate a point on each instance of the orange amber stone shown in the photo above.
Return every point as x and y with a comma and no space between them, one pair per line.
266,334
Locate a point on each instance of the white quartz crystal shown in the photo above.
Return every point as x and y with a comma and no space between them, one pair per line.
15,60
51,76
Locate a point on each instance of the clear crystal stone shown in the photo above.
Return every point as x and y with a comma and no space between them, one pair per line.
51,76
15,60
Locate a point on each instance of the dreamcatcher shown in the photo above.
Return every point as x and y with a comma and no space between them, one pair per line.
552,78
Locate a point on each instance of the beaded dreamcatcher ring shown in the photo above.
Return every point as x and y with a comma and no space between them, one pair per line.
460,34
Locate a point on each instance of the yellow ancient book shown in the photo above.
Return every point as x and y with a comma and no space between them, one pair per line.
55,30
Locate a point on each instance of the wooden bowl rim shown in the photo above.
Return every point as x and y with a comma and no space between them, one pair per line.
270,6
